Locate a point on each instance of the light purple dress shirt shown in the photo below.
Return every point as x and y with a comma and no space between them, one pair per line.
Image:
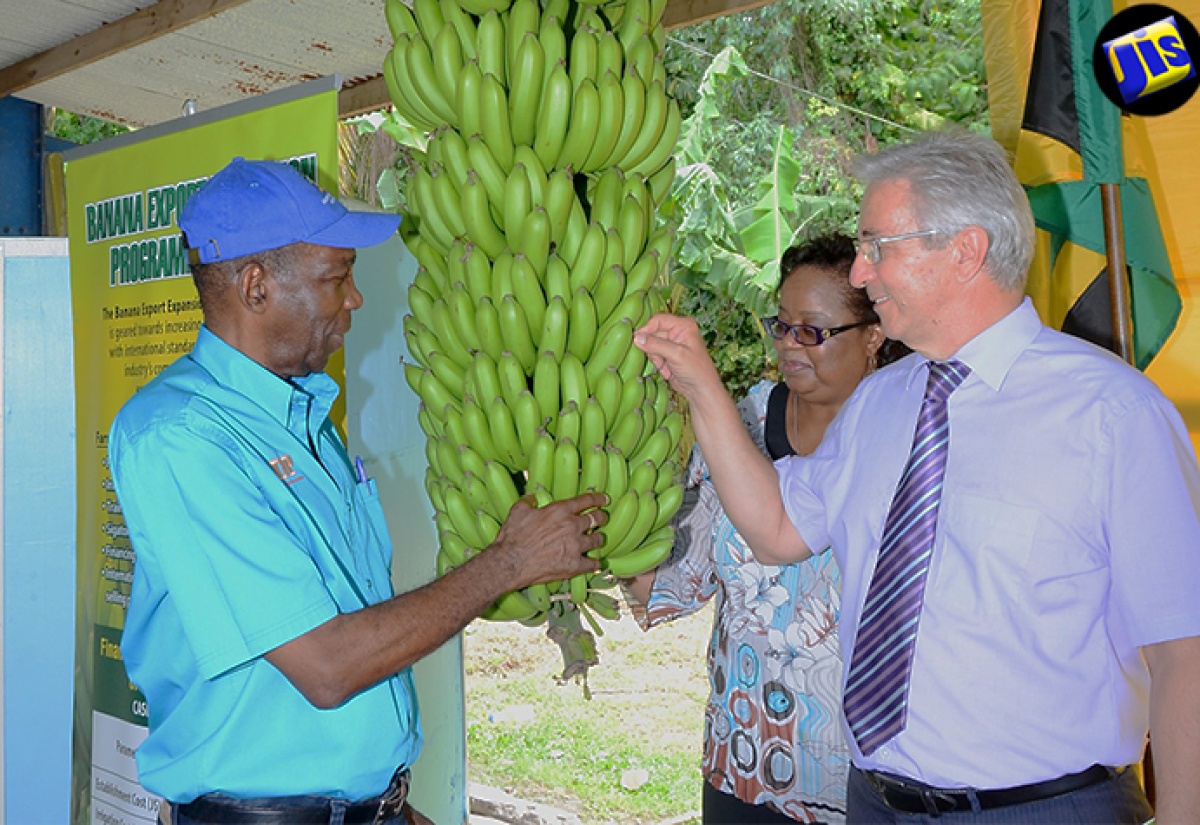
1068,537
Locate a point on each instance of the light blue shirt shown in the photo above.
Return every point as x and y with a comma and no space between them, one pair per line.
1068,537
250,529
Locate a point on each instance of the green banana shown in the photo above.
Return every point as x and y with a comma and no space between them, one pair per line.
560,197
593,424
610,57
535,170
523,19
467,100
581,325
553,117
585,272
481,7
641,54
509,448
463,518
462,313
566,470
400,90
512,606
654,120
477,218
612,102
477,272
475,491
485,379
494,123
447,372
446,49
608,292
606,389
454,154
606,199
526,80
527,289
545,385
501,488
446,198
582,130
487,320
669,502
633,87
557,279
627,431
478,429
434,393
424,76
553,338
514,329
533,238
633,229
541,461
612,344
518,200
584,57
664,148
569,422
399,19
656,447
442,326
660,182
593,469
433,226
639,561
554,43
490,47
513,379
527,417
618,473
572,378
428,14
464,26
487,168
622,512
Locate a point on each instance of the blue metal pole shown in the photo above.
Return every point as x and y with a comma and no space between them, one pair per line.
20,167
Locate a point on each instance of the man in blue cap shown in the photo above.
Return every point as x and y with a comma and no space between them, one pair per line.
263,629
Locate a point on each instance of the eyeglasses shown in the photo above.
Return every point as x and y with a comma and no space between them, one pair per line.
806,335
869,247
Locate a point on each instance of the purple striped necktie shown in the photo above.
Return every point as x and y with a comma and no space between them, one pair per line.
877,686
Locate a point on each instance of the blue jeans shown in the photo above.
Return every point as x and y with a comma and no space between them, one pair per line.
1118,801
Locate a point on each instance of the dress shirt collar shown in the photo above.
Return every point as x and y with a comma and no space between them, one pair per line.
302,403
992,353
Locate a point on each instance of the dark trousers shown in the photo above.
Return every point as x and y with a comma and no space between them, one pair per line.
1118,801
719,808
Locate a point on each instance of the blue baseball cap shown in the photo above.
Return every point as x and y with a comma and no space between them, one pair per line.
256,205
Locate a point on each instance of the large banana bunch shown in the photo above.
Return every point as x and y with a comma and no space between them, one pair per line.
550,148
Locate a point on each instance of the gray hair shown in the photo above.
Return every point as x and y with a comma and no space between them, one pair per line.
962,179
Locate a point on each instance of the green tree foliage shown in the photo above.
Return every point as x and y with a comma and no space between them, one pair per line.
81,129
778,100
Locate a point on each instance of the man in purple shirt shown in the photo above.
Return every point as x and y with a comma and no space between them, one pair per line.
1059,619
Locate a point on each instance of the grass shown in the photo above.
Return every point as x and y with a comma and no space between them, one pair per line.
544,742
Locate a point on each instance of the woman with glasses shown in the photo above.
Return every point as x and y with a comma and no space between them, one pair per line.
774,749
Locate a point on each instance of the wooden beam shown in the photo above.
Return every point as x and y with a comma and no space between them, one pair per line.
681,13
372,95
140,27
368,96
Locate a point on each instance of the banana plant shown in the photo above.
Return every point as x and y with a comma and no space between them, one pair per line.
734,249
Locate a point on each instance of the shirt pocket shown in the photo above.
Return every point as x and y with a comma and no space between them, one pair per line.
981,566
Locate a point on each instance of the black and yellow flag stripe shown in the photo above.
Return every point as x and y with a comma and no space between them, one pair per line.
1067,139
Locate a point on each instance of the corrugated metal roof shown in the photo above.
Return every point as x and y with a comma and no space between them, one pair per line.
250,48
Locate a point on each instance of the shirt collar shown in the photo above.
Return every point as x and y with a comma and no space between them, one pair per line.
308,398
992,353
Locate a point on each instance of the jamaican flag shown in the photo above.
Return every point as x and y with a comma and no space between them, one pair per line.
1067,139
